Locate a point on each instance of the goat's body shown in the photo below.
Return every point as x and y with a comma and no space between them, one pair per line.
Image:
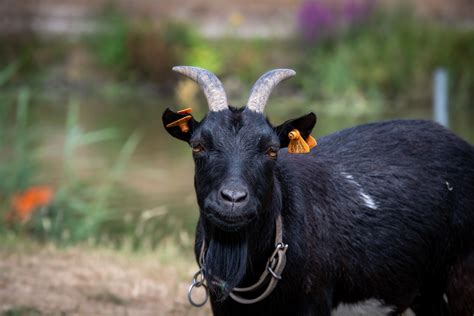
376,211
460,290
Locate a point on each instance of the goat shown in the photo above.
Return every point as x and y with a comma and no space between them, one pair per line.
460,290
383,210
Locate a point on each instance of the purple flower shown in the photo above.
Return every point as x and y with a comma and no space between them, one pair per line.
315,19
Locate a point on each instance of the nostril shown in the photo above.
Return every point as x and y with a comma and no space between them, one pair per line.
227,195
234,196
239,196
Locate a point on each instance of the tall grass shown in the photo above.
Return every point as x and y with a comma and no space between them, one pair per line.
86,208
81,208
17,162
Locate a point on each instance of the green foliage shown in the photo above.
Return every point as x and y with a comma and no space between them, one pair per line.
387,59
110,44
21,311
7,73
205,57
148,51
17,158
18,163
27,55
80,209
18,52
191,48
155,50
391,55
84,209
245,59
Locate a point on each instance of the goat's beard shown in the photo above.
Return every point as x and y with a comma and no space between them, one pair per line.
225,264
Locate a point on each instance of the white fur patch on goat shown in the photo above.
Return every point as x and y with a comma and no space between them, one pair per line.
366,198
368,307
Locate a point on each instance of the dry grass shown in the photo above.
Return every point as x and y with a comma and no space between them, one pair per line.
84,281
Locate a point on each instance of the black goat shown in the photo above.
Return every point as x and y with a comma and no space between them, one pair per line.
382,210
460,291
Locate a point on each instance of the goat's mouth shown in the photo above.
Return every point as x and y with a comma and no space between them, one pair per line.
229,223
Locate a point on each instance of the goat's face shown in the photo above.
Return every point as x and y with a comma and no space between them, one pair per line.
235,153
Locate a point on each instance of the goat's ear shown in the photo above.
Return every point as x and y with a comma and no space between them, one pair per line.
179,124
304,124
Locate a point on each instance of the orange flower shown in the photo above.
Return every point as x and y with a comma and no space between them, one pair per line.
25,203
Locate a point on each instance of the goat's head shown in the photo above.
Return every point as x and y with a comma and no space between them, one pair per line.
235,150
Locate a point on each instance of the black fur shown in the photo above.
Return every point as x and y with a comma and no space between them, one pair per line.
460,292
383,210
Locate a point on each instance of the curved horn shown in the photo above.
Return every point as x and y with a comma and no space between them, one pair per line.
263,87
210,85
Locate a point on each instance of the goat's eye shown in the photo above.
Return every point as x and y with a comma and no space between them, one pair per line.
272,153
198,148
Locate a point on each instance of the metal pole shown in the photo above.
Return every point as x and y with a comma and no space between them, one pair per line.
440,96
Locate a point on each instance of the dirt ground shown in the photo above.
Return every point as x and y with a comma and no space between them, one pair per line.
49,281
42,280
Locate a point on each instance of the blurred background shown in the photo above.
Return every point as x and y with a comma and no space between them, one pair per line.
97,205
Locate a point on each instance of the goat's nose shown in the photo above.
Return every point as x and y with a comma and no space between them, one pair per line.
234,196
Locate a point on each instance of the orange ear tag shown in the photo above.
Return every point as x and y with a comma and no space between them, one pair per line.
185,111
297,144
311,142
182,123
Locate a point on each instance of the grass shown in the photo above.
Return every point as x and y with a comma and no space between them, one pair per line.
86,208
78,209
93,280
21,311
169,252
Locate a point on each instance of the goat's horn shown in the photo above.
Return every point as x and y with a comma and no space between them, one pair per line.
210,85
263,87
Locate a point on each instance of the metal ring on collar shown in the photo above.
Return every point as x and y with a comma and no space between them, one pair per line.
190,296
198,278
